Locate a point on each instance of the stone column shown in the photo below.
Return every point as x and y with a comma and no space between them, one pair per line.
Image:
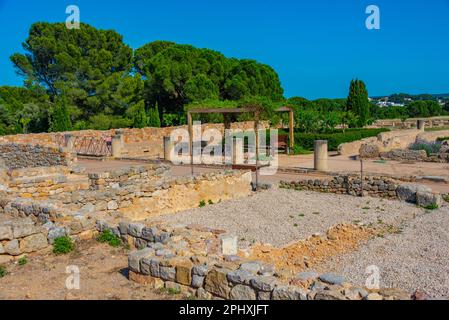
237,151
320,155
117,145
420,124
169,148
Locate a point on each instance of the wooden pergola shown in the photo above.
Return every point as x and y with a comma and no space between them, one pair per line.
227,125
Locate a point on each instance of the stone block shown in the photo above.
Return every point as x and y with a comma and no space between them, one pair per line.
216,282
262,283
242,292
288,293
135,229
6,232
135,257
184,272
229,245
33,243
23,228
197,281
12,247
167,273
428,199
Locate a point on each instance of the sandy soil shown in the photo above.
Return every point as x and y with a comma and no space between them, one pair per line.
103,275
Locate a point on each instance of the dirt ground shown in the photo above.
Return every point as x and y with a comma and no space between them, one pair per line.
103,276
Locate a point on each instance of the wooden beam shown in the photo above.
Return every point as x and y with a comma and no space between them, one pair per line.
291,124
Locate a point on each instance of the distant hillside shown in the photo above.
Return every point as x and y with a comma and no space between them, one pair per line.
402,97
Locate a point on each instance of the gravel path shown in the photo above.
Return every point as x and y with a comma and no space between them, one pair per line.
280,216
418,258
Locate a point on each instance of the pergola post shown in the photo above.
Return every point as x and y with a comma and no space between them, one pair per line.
256,131
291,124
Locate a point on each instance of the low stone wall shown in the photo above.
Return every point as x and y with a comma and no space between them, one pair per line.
145,142
143,191
28,226
16,156
190,260
374,186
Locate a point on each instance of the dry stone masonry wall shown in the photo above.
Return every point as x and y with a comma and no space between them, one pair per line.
375,186
16,156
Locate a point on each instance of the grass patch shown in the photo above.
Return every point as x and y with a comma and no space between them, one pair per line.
366,208
210,201
316,212
202,204
446,197
301,215
23,261
432,206
3,271
295,225
63,245
108,237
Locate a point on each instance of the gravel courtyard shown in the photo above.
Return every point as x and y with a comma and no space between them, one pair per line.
281,216
416,256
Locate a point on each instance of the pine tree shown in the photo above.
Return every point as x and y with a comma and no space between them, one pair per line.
60,117
153,117
139,116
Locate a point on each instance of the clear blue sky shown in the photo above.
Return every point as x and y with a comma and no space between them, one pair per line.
315,46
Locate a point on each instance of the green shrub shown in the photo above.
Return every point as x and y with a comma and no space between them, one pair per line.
440,139
210,201
429,147
63,245
432,206
23,261
202,203
2,271
108,237
304,141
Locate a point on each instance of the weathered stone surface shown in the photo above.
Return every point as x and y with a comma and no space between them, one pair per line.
202,294
200,270
369,151
56,232
252,267
2,250
288,293
374,296
12,247
264,295
4,258
6,232
112,205
329,295
140,243
167,273
197,281
23,228
184,272
263,283
135,257
242,292
407,192
332,278
427,199
135,229
216,282
33,243
240,276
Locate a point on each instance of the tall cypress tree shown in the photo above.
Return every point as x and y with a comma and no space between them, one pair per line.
60,117
139,116
153,117
358,102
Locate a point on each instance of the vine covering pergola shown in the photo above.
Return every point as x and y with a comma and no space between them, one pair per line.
256,111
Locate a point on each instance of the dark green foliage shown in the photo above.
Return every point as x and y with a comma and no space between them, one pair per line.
153,117
108,237
63,245
305,140
3,271
23,261
138,115
425,108
60,117
202,204
440,139
429,147
358,102
181,74
432,206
